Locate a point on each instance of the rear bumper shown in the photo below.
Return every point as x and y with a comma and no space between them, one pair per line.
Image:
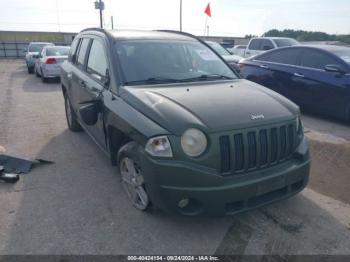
51,71
208,192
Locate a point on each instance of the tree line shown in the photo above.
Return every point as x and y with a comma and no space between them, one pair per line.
302,35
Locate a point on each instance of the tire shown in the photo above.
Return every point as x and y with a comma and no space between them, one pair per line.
71,117
43,78
131,177
36,73
30,70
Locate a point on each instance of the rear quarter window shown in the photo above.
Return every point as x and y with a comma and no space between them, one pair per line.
73,48
82,52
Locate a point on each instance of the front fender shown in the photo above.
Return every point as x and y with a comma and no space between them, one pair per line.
128,120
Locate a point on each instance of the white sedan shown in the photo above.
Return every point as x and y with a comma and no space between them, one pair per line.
48,64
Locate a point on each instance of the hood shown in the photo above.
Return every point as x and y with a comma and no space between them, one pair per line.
209,106
232,58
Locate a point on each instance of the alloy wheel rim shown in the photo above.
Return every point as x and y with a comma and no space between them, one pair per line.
133,183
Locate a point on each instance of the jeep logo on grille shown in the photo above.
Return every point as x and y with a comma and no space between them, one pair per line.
255,117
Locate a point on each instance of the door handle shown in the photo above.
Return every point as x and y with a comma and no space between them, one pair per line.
82,83
264,66
248,53
298,75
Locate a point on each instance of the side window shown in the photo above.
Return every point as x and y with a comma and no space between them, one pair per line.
315,59
266,45
97,62
287,56
82,51
254,44
73,48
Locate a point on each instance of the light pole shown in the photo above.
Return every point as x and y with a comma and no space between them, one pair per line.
180,15
101,6
101,25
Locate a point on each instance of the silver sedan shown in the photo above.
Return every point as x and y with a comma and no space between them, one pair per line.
48,64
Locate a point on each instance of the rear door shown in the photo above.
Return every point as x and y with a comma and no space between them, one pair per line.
78,72
92,84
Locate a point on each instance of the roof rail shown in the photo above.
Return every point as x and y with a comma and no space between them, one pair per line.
95,29
179,33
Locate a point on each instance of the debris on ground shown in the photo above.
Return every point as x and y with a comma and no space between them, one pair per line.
11,167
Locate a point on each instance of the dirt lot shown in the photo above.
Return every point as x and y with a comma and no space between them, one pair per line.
77,206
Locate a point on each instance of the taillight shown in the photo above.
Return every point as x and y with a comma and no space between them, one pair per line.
50,61
241,65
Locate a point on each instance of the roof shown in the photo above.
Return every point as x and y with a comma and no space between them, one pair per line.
272,37
143,34
330,48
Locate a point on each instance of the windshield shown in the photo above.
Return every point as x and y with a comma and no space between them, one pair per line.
343,54
37,47
218,48
285,42
57,51
163,61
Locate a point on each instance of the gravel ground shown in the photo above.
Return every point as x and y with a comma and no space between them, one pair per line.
77,206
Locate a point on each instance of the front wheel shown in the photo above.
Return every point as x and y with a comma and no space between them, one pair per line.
71,117
132,178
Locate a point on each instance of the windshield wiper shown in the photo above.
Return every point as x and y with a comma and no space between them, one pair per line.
152,80
206,77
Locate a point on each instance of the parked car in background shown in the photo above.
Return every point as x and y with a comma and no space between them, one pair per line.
259,45
187,134
32,52
227,45
314,77
48,64
232,60
238,50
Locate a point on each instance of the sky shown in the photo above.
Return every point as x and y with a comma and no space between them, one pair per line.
229,17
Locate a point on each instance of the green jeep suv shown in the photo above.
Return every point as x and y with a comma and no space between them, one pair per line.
187,134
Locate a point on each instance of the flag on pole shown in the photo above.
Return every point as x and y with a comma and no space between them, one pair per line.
207,10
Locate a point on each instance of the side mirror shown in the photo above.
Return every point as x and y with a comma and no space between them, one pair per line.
74,58
89,113
334,69
107,79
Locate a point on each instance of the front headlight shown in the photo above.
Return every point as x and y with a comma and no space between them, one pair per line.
193,142
159,146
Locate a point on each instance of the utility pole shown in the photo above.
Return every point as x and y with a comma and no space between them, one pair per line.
112,22
101,25
101,6
180,15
